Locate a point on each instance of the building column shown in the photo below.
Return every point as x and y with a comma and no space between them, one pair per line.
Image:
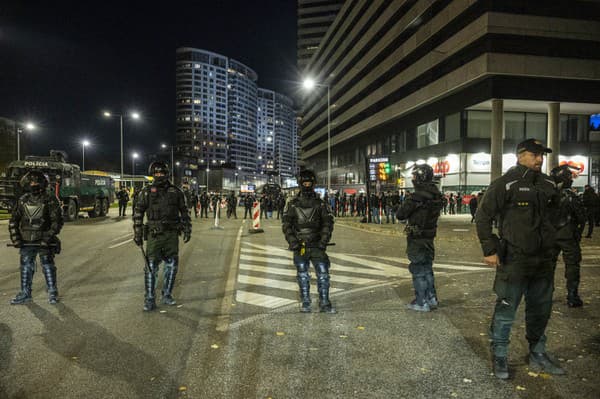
553,135
497,137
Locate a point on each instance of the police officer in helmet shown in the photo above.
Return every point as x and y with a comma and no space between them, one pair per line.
34,225
422,210
569,222
307,224
166,212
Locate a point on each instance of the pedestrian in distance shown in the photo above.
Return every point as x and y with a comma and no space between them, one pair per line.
204,203
421,210
459,203
445,204
591,202
452,204
248,204
164,207
34,225
523,201
231,205
123,197
307,225
473,206
569,222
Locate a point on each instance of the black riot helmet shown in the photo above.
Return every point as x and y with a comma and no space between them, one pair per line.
35,181
563,175
304,178
161,169
421,174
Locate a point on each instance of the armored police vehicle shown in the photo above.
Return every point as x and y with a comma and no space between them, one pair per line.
77,191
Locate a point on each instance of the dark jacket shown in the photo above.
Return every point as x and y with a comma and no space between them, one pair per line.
307,219
570,217
523,202
422,210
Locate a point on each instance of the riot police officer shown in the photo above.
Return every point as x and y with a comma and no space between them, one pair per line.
422,210
569,222
522,201
167,216
307,224
34,225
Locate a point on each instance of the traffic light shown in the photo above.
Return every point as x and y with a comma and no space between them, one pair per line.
383,170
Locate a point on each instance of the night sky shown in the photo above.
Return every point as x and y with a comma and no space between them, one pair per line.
61,65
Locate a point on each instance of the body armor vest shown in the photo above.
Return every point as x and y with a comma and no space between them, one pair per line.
570,210
163,204
307,218
34,220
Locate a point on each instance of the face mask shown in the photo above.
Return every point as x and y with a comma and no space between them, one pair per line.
36,189
160,180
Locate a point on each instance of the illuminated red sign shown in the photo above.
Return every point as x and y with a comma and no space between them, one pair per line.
574,164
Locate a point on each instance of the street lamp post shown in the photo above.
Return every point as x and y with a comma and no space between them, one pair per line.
84,144
18,131
172,162
310,84
207,170
134,156
134,115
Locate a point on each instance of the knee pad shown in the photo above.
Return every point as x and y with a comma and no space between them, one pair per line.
47,260
27,262
153,265
322,268
172,263
302,267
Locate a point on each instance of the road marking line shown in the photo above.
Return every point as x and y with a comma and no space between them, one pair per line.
265,301
271,283
436,265
389,269
289,261
292,273
121,243
223,318
121,237
270,249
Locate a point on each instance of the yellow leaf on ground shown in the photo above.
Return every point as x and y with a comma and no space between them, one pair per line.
214,346
532,374
520,388
360,328
182,388
280,333
343,336
545,376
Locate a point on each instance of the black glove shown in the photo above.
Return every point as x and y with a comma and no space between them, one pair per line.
17,244
294,246
322,246
139,240
187,235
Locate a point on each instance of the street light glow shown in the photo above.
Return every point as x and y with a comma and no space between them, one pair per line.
135,115
309,84
163,145
29,126
135,155
85,143
107,114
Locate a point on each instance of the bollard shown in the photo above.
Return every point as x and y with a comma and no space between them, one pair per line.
256,219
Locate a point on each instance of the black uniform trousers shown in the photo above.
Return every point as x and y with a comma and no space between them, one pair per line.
529,276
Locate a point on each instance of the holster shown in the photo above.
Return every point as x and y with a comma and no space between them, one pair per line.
502,251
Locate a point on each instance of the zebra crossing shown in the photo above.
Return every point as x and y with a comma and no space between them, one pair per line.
267,277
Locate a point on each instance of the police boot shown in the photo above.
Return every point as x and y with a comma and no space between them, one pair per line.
420,303
26,278
50,275
303,278
169,281
500,365
325,305
540,361
149,285
431,295
573,299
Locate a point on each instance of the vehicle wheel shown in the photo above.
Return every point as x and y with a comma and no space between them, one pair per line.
97,211
71,211
105,207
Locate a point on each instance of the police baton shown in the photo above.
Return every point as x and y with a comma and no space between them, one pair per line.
31,245
146,263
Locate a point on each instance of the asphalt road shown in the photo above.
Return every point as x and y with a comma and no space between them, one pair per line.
237,332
